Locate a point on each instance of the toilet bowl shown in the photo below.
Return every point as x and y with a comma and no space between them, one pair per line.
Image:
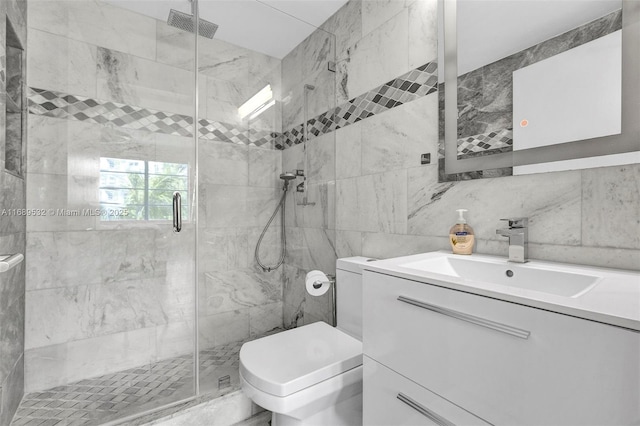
312,375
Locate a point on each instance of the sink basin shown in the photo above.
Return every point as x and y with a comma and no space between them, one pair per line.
524,276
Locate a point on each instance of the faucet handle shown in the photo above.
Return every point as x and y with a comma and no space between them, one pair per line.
517,222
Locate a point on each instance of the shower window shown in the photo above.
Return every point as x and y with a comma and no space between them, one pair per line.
141,190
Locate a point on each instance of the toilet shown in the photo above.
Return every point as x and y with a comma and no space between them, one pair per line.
312,375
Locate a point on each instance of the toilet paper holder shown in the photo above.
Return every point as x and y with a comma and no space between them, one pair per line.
331,281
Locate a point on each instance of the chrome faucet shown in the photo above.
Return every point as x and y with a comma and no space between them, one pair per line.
518,234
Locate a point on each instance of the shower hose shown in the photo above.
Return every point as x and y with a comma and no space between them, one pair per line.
283,237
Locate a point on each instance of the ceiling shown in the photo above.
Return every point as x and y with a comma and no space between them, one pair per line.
272,27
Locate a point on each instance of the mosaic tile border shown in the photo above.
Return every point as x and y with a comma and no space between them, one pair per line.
486,143
80,108
415,84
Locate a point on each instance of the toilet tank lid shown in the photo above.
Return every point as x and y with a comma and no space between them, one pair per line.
288,362
353,264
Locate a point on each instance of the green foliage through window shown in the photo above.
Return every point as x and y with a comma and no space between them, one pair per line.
143,188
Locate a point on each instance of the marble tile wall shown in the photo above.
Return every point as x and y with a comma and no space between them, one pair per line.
12,240
386,204
102,297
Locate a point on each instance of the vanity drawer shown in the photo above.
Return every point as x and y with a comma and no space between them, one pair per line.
504,362
391,399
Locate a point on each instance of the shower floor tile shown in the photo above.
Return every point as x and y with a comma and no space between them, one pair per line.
116,395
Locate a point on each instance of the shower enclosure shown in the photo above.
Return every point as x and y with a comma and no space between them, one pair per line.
122,314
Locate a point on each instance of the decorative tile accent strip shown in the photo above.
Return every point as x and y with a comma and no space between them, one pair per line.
486,143
408,87
81,108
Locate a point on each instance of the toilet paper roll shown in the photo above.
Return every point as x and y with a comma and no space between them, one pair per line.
317,283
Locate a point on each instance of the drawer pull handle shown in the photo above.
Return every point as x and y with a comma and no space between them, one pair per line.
513,331
424,410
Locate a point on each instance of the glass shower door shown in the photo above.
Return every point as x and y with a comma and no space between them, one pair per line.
110,289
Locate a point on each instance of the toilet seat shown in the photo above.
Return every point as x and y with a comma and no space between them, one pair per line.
288,362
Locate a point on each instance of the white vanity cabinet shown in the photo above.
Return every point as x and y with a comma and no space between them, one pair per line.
492,360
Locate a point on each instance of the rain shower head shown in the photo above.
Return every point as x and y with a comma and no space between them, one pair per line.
184,21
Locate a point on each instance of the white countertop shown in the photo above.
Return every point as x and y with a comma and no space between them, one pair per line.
615,299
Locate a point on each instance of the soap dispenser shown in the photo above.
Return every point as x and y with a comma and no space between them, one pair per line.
461,235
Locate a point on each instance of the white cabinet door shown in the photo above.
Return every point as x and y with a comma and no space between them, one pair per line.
504,362
391,399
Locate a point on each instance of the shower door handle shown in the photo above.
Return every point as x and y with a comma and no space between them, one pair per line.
177,212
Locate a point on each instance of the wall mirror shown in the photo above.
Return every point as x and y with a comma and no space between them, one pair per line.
529,86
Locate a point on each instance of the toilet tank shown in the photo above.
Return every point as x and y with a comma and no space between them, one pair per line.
349,294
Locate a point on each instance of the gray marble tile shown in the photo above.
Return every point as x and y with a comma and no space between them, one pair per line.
423,32
174,339
217,58
610,207
62,259
293,158
48,144
553,212
12,333
321,158
223,110
265,318
232,92
61,192
396,138
263,70
346,26
292,70
293,316
293,106
135,81
383,245
377,12
319,211
240,205
373,203
12,391
294,293
320,250
348,243
342,82
349,151
214,248
12,196
61,64
132,254
69,314
296,248
227,291
607,257
317,49
56,365
96,23
270,246
14,141
265,166
12,282
379,56
223,163
323,97
225,327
